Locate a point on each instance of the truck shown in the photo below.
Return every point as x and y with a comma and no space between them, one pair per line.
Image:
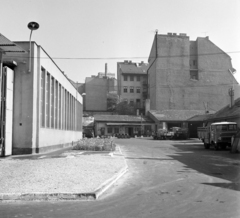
218,134
177,133
159,134
172,133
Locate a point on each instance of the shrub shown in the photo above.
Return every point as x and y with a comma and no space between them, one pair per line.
95,144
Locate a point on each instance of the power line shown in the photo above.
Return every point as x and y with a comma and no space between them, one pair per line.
115,58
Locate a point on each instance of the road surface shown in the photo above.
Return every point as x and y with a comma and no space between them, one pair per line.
165,179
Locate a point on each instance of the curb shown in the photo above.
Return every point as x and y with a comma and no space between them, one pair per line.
38,196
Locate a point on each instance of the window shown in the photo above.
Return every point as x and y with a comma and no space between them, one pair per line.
138,78
109,129
125,100
52,103
48,100
194,62
131,102
194,74
125,78
232,127
138,90
56,104
138,102
131,89
125,89
60,106
116,130
131,78
42,100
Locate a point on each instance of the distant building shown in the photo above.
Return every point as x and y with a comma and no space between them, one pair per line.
41,109
132,82
114,125
96,91
108,75
188,75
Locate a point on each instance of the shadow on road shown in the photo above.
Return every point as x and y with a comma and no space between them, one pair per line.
220,164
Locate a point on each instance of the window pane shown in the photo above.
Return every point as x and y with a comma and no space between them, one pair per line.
42,101
52,102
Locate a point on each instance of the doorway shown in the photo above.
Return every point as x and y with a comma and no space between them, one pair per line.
6,112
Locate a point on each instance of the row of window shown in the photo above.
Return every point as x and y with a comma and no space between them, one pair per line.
132,101
131,78
131,89
136,129
59,108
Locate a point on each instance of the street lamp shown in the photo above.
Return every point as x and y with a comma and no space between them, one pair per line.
32,26
84,101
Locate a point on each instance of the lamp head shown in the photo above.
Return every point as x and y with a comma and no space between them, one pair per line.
33,25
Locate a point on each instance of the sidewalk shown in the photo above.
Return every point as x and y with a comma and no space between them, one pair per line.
71,175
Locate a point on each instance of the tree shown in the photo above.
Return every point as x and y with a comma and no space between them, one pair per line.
124,108
112,101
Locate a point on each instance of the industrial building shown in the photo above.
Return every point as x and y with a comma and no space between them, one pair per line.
41,110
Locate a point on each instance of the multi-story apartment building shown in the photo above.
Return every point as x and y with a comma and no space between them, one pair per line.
132,82
188,75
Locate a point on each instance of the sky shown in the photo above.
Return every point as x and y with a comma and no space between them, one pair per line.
82,35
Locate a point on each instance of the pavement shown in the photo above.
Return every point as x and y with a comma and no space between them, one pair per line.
62,175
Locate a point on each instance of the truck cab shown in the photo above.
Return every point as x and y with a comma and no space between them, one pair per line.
217,134
221,134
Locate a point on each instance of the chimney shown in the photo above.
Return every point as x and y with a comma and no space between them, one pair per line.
106,69
231,94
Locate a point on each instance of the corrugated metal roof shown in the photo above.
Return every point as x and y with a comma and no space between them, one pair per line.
8,46
175,115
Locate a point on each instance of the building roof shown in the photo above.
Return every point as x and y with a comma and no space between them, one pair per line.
121,118
227,112
175,115
202,117
133,68
8,46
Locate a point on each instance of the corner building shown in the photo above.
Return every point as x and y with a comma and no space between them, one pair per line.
188,75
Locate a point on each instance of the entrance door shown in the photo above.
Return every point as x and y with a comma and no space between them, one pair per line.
6,115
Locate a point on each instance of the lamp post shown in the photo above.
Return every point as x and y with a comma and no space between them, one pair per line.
84,101
32,26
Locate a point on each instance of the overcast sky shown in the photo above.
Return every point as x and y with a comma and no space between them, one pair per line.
117,30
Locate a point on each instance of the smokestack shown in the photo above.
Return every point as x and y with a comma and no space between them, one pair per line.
106,69
231,94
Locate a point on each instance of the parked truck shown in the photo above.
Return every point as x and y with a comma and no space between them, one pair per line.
159,134
217,134
172,133
177,133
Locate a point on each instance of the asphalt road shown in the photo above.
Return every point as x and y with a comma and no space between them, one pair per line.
165,179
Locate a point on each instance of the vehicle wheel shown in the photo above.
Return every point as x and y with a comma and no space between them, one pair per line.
206,146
